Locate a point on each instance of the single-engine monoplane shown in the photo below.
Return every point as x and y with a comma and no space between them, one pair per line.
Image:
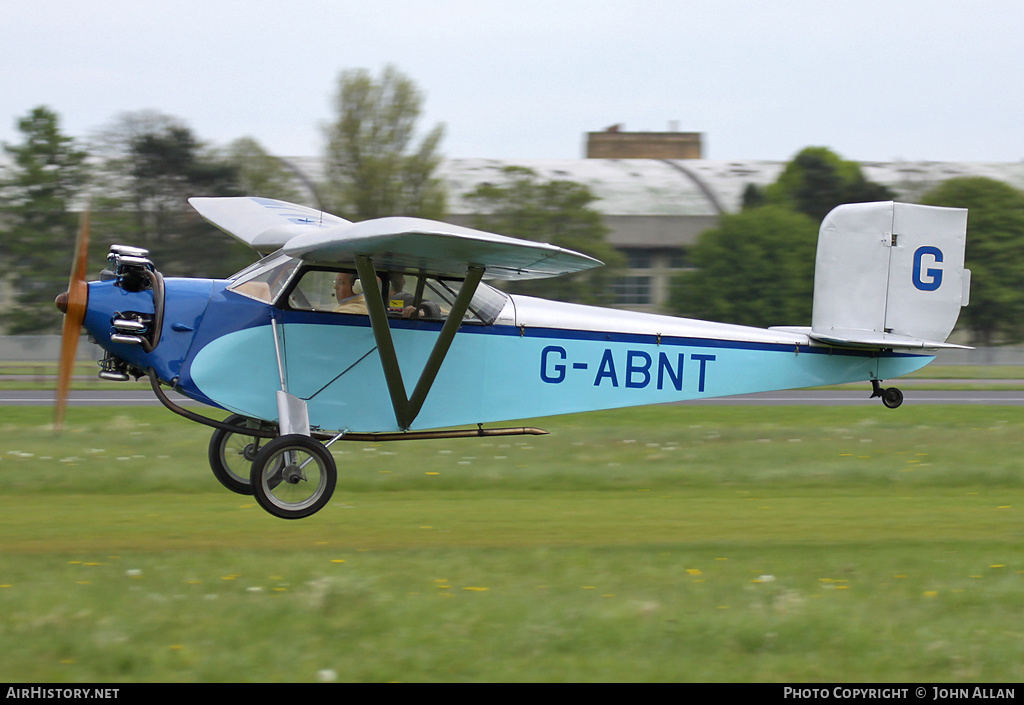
386,330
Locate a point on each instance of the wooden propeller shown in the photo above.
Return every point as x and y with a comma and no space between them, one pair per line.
72,303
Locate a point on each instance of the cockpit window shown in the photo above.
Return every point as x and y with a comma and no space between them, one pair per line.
484,308
265,279
408,296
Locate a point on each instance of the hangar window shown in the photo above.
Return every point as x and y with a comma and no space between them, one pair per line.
632,290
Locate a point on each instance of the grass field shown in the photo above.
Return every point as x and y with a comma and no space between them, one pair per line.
678,543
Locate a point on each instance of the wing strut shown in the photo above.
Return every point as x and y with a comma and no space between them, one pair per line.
408,408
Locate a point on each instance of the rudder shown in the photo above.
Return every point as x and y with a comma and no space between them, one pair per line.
890,274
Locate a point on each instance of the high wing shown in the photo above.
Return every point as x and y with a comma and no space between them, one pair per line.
416,244
265,224
436,248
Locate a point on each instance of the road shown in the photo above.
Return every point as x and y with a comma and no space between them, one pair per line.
804,397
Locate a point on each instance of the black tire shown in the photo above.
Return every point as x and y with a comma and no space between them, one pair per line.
231,456
293,476
892,397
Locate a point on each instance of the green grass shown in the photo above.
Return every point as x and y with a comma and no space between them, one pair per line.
676,543
978,372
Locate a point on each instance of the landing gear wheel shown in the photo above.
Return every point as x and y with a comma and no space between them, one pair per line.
231,455
293,476
892,397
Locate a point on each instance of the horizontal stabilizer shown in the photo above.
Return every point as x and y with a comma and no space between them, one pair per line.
856,338
264,224
436,248
874,339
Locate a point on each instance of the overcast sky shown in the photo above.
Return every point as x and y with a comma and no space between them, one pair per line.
936,80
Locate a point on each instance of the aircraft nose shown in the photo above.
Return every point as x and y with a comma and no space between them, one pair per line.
62,302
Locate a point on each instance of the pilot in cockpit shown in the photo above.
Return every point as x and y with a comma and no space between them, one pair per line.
351,299
348,301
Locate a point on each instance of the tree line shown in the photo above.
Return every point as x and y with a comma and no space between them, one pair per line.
757,266
137,172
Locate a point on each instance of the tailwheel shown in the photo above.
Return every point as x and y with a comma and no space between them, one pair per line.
232,454
293,476
892,397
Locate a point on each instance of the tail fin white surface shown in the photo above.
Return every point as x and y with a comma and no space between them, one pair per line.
890,275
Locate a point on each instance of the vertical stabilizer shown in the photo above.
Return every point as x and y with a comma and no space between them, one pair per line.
890,275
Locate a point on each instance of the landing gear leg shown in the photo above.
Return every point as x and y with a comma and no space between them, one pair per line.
892,397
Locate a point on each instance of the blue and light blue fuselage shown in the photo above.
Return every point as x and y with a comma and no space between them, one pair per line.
537,358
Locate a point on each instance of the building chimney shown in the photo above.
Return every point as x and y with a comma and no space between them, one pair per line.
614,143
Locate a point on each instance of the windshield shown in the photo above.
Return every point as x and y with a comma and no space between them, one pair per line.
264,280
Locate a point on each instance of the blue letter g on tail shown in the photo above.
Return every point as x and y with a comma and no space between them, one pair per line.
934,275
